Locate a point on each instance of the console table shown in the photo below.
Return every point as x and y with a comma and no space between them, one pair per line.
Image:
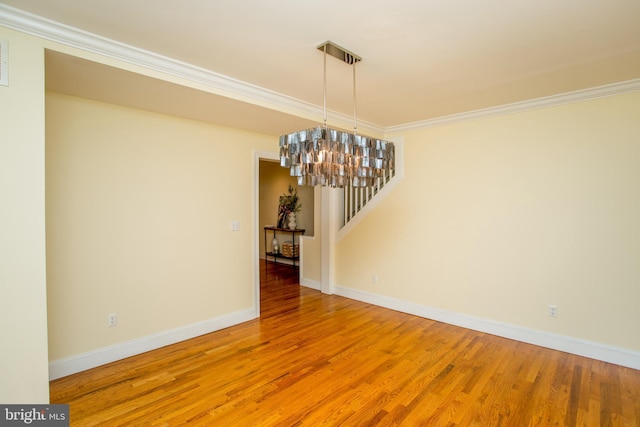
275,230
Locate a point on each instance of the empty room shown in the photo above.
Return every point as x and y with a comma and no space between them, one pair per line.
321,213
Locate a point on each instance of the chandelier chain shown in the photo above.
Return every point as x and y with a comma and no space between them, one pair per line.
355,109
324,86
335,158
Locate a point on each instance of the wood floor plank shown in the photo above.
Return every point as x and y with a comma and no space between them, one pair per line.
314,359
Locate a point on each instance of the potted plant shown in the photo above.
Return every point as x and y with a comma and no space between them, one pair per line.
288,206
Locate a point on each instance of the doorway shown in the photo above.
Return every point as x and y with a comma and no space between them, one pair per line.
274,181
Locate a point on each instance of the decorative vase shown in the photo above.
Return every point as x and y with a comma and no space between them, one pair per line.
292,221
275,246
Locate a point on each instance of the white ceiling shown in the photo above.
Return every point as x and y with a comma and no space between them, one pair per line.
422,59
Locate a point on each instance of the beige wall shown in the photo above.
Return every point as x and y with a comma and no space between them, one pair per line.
139,212
138,221
23,312
498,218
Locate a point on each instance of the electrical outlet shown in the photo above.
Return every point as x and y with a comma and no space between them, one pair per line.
235,225
374,279
553,310
112,320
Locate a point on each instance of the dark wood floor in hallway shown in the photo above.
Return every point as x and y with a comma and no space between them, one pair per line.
314,359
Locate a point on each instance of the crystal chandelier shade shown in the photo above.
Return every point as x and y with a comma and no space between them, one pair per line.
336,158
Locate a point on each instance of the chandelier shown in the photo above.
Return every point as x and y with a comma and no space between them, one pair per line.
336,158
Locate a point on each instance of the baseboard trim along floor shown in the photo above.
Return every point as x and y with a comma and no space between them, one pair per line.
593,350
81,362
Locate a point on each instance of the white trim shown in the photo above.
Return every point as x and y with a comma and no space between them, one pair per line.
301,258
619,88
47,29
81,362
257,228
594,350
28,23
313,284
328,227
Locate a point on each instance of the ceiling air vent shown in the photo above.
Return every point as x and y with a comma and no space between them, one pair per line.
4,63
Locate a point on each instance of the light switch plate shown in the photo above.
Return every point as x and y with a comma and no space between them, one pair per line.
4,63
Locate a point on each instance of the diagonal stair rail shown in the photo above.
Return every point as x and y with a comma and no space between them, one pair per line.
356,198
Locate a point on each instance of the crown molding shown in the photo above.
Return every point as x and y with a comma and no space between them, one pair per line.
220,84
522,106
60,33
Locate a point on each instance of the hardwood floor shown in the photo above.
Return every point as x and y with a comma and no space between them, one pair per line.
315,359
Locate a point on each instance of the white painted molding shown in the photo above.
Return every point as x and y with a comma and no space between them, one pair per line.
313,284
81,362
593,350
47,29
257,227
28,23
619,88
301,263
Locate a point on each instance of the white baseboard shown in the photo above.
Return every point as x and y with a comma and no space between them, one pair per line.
81,362
593,350
619,356
313,284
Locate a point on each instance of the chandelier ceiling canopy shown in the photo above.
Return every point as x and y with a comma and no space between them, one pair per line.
332,157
